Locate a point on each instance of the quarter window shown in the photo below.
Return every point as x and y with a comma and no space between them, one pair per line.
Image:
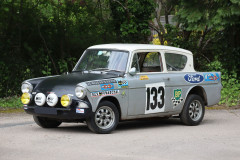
135,62
175,62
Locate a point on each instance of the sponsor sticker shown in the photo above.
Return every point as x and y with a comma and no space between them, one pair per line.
101,82
79,110
177,97
122,83
194,78
104,93
123,94
108,86
211,76
144,77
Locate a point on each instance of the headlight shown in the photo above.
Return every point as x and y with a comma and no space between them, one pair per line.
26,98
66,100
26,87
80,92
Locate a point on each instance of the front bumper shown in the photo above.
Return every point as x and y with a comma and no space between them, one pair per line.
68,114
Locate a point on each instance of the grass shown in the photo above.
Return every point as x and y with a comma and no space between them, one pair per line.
10,103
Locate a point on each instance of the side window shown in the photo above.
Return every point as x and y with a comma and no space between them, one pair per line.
175,62
151,60
147,62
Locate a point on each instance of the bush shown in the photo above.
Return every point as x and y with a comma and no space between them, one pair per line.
10,102
230,94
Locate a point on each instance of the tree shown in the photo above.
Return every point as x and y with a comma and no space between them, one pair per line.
42,37
217,22
131,19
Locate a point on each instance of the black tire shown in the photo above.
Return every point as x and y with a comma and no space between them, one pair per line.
193,110
105,119
46,122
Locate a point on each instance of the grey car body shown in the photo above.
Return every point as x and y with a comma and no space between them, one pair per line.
157,82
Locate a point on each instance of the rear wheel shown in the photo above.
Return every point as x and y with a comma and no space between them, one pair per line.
105,119
193,110
46,122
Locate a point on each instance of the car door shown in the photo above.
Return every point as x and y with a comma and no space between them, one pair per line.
176,64
147,86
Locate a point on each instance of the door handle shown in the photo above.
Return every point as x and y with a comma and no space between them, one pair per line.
168,79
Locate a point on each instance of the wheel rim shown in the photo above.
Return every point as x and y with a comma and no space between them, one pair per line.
104,117
195,110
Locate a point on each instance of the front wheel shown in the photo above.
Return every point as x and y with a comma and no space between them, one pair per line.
46,122
105,119
193,110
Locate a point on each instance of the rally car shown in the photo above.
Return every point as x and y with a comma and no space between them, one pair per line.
116,82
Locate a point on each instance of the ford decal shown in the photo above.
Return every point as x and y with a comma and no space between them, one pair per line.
194,78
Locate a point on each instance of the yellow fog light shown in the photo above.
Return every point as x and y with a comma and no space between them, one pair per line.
26,98
66,100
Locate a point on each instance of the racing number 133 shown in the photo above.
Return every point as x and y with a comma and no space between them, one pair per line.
155,98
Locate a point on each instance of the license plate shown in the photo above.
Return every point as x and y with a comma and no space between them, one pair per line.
43,110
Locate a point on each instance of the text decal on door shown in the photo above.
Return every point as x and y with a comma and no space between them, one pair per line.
155,95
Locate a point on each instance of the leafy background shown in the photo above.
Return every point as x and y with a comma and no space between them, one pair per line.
47,37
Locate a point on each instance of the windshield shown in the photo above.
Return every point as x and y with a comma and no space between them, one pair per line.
103,60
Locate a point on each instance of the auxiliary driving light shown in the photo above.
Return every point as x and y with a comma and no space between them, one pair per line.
40,99
66,100
26,98
52,99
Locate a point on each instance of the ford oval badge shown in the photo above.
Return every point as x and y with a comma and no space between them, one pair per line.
193,78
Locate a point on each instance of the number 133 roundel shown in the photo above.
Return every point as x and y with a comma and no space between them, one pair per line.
155,94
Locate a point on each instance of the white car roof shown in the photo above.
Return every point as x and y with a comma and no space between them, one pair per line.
132,47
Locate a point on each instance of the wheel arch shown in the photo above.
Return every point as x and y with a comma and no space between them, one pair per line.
198,90
115,101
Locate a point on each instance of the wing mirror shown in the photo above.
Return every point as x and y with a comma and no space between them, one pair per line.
133,71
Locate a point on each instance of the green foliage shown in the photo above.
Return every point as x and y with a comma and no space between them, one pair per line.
213,28
131,18
64,64
196,15
46,66
230,94
39,38
10,102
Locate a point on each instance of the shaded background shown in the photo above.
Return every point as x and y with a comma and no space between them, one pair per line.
47,37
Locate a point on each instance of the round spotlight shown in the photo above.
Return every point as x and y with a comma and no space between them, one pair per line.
52,99
40,99
26,98
66,100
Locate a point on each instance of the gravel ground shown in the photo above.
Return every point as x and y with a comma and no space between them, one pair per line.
218,137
